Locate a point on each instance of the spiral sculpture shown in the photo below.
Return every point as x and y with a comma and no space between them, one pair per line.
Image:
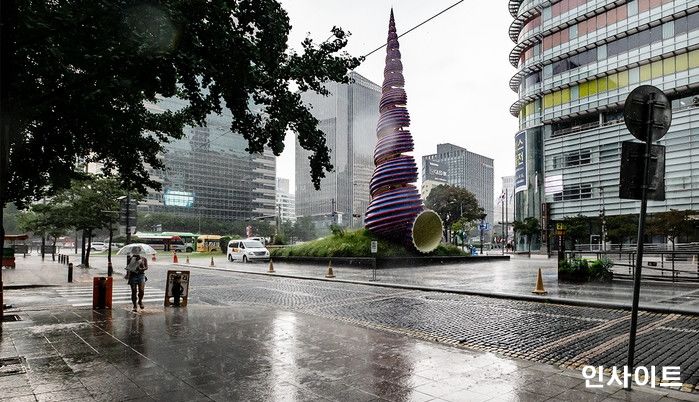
396,209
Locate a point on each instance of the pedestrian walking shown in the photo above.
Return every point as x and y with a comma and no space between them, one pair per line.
136,275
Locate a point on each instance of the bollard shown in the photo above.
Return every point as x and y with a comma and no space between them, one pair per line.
101,292
153,258
212,262
70,272
175,260
110,269
67,261
187,260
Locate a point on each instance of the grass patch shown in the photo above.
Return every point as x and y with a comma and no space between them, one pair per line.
357,244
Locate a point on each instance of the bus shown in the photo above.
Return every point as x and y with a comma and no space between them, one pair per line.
162,242
208,243
189,239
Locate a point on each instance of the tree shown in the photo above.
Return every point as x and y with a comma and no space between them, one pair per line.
529,227
77,79
87,200
672,224
621,227
453,203
45,219
577,229
304,229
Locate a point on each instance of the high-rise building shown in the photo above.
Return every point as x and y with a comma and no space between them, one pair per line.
286,202
576,62
209,174
348,117
504,205
434,173
467,170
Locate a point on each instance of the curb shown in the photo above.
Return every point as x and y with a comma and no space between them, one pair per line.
507,296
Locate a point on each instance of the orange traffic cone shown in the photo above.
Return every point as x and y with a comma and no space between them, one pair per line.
175,260
271,266
153,259
187,260
212,262
329,273
539,289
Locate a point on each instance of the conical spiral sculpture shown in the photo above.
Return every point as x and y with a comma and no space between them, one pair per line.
396,209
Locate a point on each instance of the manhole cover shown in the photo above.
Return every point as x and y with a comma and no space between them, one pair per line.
11,317
11,366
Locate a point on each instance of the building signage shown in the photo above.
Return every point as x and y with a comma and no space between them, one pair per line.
173,198
520,161
436,171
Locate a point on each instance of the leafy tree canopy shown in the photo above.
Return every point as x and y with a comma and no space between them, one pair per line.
78,76
673,223
453,204
577,228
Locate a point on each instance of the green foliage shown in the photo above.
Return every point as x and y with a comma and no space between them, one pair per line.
171,222
86,201
454,204
356,244
81,74
304,229
581,270
337,230
50,219
577,229
673,224
620,228
9,219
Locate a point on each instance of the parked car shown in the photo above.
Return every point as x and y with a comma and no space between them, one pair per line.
98,246
247,250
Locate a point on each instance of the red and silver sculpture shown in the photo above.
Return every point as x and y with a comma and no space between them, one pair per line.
396,209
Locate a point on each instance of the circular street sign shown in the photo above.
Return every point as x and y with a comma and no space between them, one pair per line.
636,110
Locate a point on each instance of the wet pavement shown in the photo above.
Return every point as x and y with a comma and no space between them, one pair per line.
258,337
515,277
256,353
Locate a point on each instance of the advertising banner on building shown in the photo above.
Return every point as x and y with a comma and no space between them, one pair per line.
520,161
436,171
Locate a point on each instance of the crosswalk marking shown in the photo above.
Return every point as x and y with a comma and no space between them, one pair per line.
82,296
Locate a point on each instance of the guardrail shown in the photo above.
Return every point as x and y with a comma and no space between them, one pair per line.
673,266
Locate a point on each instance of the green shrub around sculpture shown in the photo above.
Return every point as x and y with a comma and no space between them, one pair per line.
358,244
582,270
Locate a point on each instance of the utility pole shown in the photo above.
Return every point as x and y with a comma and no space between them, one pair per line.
333,213
128,218
507,219
502,218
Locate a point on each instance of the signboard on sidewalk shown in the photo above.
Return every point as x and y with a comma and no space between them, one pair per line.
177,286
374,246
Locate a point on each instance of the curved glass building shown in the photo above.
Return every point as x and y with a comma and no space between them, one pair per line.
576,63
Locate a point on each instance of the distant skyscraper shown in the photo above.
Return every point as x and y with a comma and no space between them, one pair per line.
348,117
209,174
506,198
286,204
467,170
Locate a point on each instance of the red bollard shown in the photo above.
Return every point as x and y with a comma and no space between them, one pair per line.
101,292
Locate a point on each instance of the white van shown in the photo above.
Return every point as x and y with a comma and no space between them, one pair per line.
247,250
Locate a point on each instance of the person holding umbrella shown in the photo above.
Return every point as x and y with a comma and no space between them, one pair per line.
135,272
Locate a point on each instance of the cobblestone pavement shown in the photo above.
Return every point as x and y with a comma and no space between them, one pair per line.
566,336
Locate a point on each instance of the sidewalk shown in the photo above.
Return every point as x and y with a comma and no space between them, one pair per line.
203,353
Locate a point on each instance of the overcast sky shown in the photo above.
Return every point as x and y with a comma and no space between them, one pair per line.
456,69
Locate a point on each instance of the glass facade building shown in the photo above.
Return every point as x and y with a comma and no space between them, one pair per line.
209,174
576,62
348,117
467,170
